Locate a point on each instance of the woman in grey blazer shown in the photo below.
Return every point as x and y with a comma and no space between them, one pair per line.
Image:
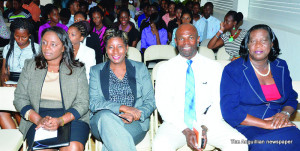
53,91
121,97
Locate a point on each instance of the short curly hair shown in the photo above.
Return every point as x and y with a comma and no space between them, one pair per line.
275,50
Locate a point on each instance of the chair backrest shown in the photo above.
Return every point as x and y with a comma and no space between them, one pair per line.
205,42
222,54
7,98
296,87
157,52
204,51
138,45
154,71
134,54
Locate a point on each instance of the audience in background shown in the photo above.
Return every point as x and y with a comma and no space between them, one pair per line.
145,8
65,16
33,8
84,7
208,25
97,15
196,12
125,25
18,11
175,22
146,22
171,13
189,5
231,35
54,17
4,32
73,6
155,33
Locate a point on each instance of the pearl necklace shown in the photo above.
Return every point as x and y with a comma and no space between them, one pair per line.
264,75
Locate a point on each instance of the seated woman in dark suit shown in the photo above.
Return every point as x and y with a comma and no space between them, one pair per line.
53,91
121,96
257,97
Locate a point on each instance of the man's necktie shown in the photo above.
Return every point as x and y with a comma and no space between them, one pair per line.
189,108
205,31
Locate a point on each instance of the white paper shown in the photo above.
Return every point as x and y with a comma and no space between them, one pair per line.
42,134
11,82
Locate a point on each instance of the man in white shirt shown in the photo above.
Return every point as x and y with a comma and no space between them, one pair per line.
208,25
173,81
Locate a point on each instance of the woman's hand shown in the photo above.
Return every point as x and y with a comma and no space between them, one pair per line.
41,122
52,124
133,111
127,116
279,120
222,26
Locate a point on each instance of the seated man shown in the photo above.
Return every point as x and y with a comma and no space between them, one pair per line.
187,95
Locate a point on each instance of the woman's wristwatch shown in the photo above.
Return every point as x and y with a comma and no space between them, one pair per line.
286,113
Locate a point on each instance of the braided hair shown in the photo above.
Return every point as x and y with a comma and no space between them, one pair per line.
81,27
20,23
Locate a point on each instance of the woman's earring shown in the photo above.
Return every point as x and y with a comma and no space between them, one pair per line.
233,28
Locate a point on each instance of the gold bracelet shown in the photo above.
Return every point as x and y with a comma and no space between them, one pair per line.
62,120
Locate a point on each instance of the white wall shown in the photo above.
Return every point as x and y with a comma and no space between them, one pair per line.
289,40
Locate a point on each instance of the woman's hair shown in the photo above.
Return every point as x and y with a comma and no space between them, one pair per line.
93,10
156,19
179,6
123,9
237,16
112,33
82,13
187,12
20,23
171,3
50,8
68,54
81,27
275,50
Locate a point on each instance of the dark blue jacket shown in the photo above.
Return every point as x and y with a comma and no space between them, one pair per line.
241,93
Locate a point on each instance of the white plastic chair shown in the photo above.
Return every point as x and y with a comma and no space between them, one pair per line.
159,52
10,139
204,51
223,62
222,54
134,54
205,42
138,45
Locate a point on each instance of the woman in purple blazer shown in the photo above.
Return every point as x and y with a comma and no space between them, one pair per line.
257,97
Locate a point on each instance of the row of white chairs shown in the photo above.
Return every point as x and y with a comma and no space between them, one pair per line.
167,51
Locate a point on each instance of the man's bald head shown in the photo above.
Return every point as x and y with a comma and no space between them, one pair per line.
187,40
187,26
